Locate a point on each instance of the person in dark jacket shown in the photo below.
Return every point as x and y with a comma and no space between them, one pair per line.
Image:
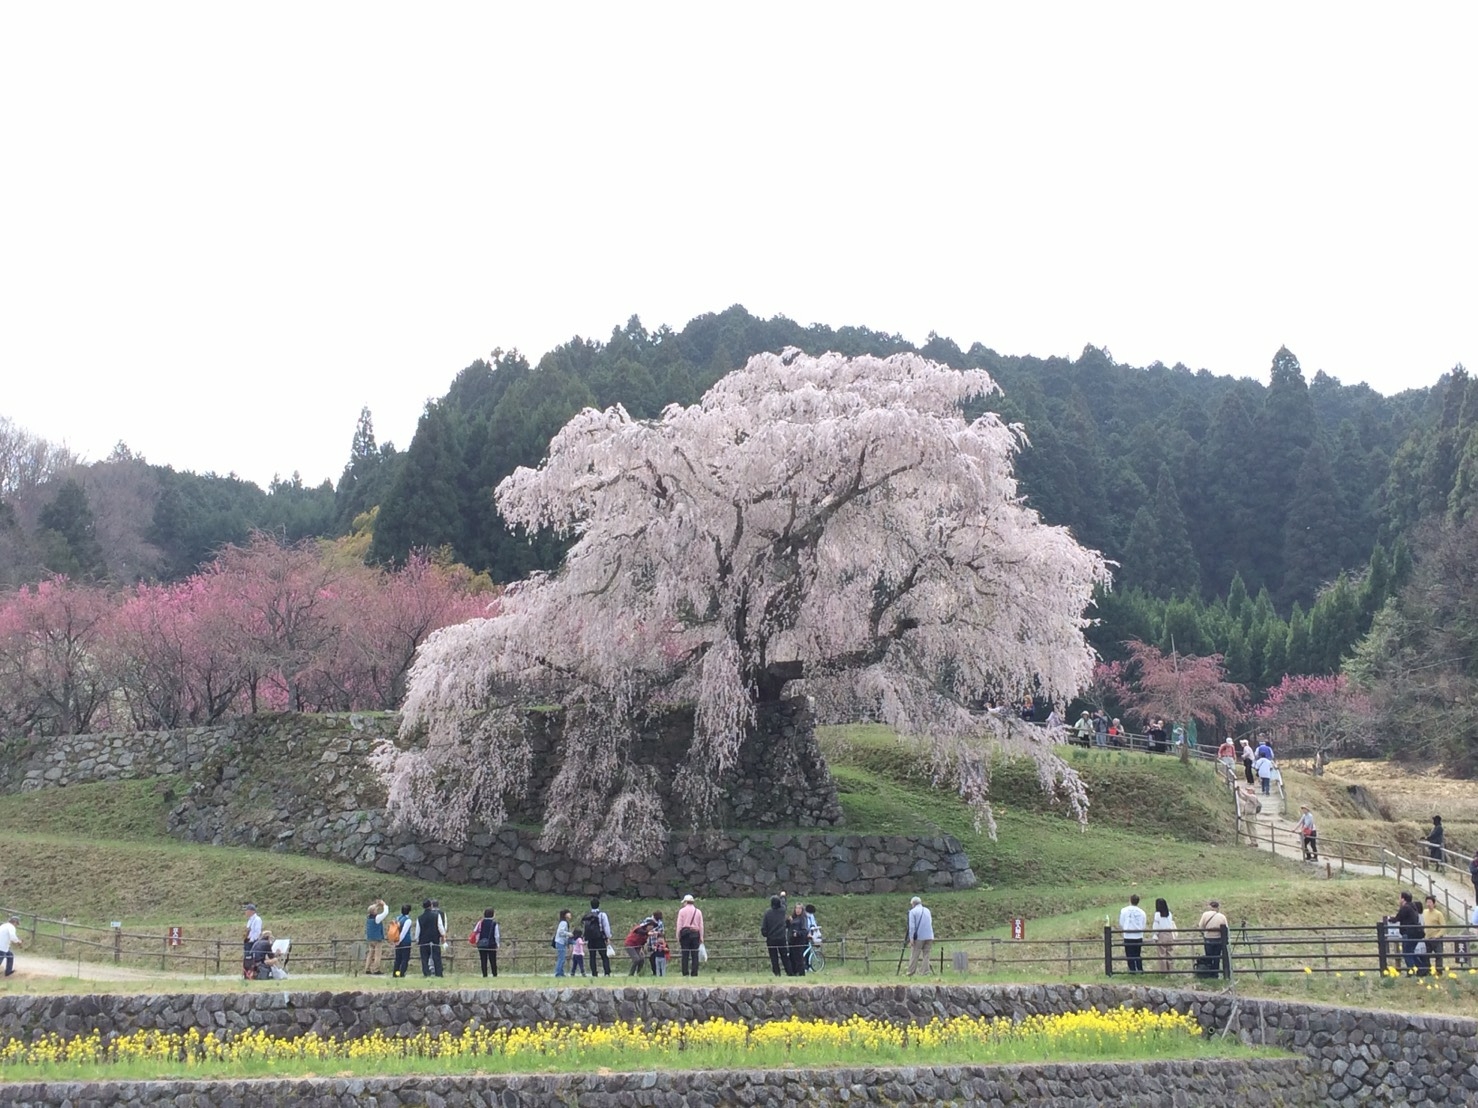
772,927
431,934
487,941
798,936
1434,840
403,944
1412,932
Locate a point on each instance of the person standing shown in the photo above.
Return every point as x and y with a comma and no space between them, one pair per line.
689,934
577,956
1264,767
798,938
772,928
1100,728
1248,758
1473,873
1409,920
657,942
374,936
1434,921
920,936
488,941
1309,832
1162,930
1434,841
250,936
10,939
1213,926
430,934
1264,750
561,942
1083,730
403,943
595,925
1131,927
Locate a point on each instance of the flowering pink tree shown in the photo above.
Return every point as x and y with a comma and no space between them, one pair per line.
172,653
1180,687
1316,714
52,679
831,520
283,597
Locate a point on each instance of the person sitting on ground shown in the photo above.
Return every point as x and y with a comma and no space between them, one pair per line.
264,963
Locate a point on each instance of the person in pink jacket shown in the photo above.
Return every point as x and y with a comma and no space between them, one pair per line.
689,934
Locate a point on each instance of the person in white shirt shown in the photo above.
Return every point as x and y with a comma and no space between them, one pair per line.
9,940
1131,925
1162,927
920,936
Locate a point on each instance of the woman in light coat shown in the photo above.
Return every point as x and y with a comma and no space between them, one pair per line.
1162,934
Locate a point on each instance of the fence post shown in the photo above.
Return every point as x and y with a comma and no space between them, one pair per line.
117,945
1380,946
218,957
1108,951
1226,952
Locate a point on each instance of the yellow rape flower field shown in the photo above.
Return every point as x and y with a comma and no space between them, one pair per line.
1089,1035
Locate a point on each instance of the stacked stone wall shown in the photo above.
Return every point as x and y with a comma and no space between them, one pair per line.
303,784
1345,1056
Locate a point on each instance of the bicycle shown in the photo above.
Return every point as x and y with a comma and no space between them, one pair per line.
815,959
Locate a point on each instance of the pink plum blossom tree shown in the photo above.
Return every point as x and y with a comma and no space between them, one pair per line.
828,520
1317,714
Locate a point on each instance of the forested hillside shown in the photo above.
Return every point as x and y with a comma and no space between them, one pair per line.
1262,521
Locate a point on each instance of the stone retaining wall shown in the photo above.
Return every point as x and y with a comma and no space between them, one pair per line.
1360,1056
1289,1083
302,784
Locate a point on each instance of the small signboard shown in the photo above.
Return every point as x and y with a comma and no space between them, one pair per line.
1018,928
176,936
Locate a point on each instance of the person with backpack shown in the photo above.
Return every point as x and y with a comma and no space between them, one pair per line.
487,939
374,936
401,932
595,926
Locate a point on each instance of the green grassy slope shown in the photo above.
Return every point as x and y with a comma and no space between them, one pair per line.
98,852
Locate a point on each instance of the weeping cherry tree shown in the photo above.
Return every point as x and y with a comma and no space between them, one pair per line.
831,521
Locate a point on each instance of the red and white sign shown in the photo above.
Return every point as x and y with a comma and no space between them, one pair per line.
1018,928
176,936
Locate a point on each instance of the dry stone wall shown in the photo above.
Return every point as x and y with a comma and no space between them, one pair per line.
302,784
1285,1082
1344,1057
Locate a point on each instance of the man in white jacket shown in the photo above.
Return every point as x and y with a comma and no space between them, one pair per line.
920,936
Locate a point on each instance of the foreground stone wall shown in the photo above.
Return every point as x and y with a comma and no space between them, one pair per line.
1354,1056
1290,1083
301,784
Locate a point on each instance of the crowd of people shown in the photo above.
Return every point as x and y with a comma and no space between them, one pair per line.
1165,938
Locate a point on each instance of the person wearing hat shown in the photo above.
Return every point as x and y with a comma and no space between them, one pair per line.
689,934
250,936
1309,832
1212,927
9,940
374,936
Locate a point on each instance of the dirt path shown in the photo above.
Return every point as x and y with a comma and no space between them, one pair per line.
33,966
1455,896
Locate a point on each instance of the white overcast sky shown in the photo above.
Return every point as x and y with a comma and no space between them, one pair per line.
225,228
